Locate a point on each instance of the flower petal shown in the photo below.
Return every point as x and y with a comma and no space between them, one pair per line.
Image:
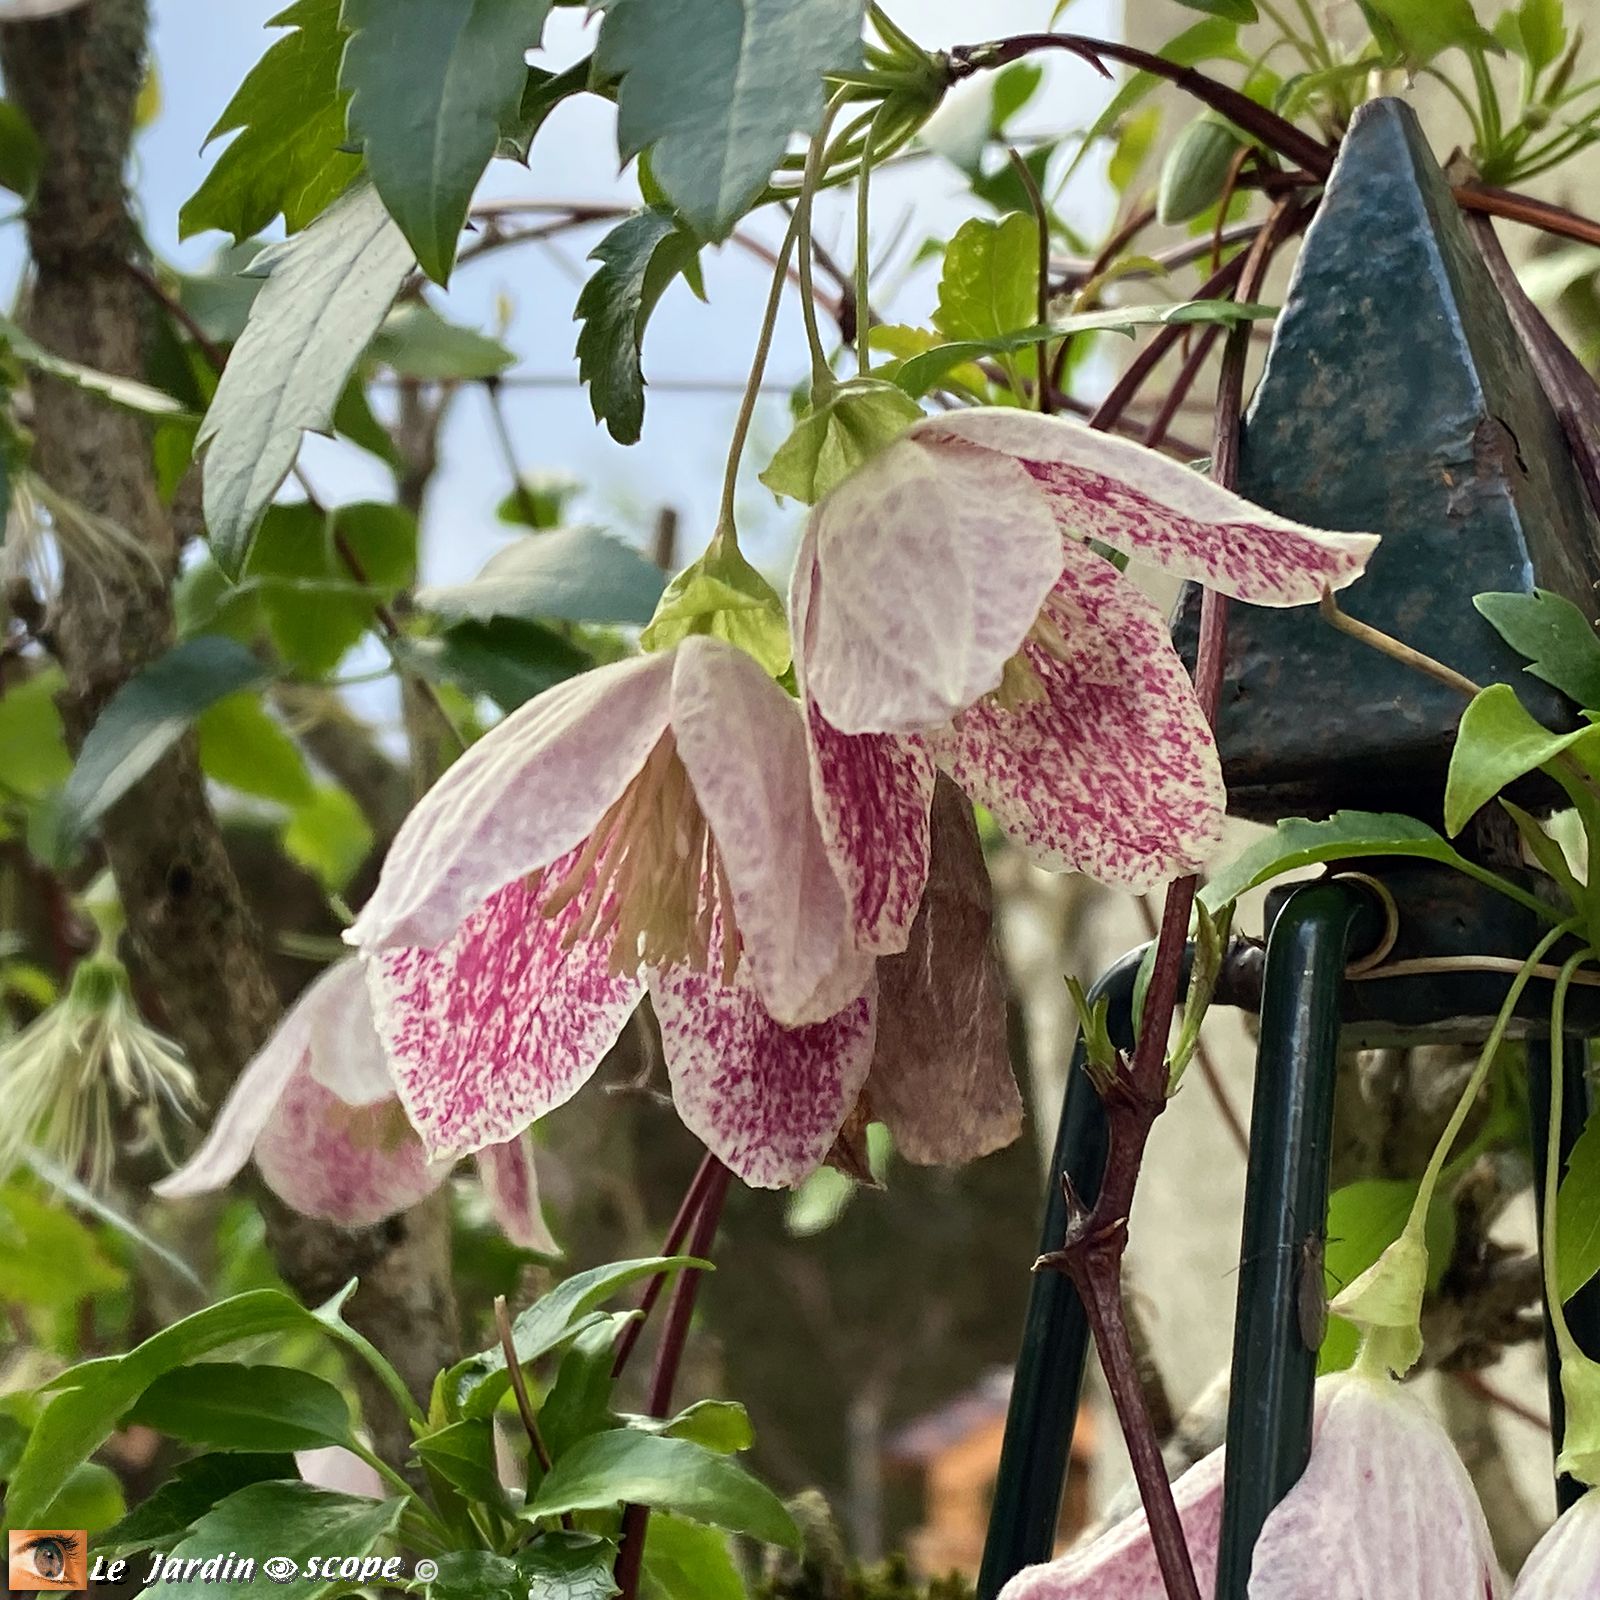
1566,1561
743,744
931,563
1160,511
767,1100
1113,771
353,1165
527,792
1385,1507
331,1466
871,793
256,1092
511,1182
941,1077
346,1055
502,1024
1121,1563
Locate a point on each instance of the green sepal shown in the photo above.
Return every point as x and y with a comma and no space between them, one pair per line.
837,437
1580,1446
1385,1302
722,595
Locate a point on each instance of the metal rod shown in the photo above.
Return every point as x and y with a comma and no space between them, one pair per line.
1055,1335
1285,1211
1583,1309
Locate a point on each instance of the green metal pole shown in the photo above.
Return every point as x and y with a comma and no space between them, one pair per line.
1055,1336
1285,1211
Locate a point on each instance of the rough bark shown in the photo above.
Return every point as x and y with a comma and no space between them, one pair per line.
76,76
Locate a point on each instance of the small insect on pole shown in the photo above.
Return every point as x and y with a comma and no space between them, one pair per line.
1397,397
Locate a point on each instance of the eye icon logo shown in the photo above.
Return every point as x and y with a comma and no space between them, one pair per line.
279,1568
54,1559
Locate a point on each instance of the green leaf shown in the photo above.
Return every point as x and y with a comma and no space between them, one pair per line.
579,1400
714,89
90,1499
1555,636
245,748
429,92
1234,10
1578,1214
834,439
21,154
289,156
1541,30
990,283
33,748
539,501
326,294
1297,842
625,1466
688,1561
550,1322
722,1426
920,373
330,837
48,1257
541,94
127,393
1497,743
193,1488
227,1406
1423,29
568,1566
417,342
569,574
638,259
296,1521
463,1455
148,715
722,595
507,658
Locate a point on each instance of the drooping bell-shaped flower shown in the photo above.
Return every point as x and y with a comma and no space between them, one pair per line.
949,612
1384,1508
646,824
318,1112
1565,1564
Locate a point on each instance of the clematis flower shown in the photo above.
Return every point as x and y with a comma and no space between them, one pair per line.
949,614
1384,1507
1566,1561
317,1110
645,825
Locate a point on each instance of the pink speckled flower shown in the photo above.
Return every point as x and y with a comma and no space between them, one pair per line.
645,825
317,1109
948,612
1384,1507
1565,1564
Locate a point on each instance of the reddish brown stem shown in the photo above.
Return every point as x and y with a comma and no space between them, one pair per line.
1524,208
1155,434
664,1376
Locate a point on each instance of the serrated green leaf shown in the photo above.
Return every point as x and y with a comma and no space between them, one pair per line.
569,574
148,715
289,114
1498,742
578,1403
429,92
296,1521
722,595
834,439
417,342
243,747
714,90
1556,637
192,1490
507,658
627,1467
687,1561
568,1566
638,259
990,283
541,94
463,1455
226,1406
722,1426
327,291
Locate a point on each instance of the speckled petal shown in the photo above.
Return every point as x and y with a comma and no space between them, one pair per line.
743,744
1385,1507
1121,1563
871,793
502,1024
1113,772
931,563
353,1165
260,1086
346,1054
1566,1561
768,1100
527,792
511,1183
1160,511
